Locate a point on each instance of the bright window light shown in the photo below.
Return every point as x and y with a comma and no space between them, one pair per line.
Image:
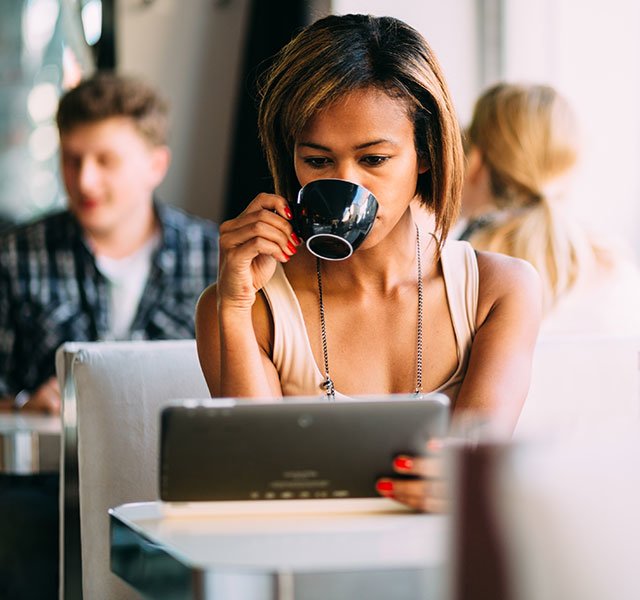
92,21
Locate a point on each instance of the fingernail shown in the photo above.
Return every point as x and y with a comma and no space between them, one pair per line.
288,213
384,486
404,463
296,240
292,248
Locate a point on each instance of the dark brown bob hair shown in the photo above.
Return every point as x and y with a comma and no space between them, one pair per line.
337,55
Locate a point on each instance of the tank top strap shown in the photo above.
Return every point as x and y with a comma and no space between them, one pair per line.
461,278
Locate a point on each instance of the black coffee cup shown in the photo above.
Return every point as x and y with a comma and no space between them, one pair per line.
334,216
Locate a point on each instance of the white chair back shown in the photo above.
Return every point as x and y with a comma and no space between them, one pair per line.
112,395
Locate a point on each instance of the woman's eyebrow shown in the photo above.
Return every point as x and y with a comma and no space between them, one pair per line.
315,146
375,143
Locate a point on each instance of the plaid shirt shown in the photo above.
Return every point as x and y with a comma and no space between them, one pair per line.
51,291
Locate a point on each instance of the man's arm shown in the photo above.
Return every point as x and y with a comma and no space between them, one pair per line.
46,399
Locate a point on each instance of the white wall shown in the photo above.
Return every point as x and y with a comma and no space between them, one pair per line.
590,51
192,51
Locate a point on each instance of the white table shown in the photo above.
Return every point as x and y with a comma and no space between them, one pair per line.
29,443
280,549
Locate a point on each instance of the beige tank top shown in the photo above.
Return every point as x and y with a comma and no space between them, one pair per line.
292,354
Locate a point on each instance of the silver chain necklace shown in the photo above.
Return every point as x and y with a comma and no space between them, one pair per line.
328,382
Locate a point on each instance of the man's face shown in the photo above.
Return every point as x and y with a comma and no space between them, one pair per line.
110,172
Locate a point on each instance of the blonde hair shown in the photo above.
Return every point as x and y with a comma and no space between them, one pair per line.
337,55
529,140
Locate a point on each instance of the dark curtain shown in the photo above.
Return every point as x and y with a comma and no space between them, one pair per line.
268,31
104,50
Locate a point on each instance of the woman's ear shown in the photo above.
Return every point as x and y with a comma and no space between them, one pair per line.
423,165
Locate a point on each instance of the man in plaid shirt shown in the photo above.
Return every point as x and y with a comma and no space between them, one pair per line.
117,264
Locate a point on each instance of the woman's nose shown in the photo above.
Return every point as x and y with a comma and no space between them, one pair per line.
348,172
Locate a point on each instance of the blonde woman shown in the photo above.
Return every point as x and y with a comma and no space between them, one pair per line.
522,147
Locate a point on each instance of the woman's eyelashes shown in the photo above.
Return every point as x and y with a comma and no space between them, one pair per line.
316,162
375,160
322,162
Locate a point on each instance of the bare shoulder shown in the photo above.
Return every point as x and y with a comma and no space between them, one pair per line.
502,270
504,279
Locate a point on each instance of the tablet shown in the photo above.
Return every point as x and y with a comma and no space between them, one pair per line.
299,448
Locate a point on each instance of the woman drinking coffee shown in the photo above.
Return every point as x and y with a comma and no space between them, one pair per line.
363,99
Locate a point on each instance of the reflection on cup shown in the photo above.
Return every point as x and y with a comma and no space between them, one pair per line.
334,217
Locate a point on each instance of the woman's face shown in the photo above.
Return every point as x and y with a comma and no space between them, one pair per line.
365,137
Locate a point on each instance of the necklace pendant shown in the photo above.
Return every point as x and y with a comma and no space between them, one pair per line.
329,389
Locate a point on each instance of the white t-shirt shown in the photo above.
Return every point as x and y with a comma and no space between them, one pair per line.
126,278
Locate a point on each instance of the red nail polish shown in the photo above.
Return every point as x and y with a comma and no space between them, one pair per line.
384,486
296,240
403,463
292,248
288,213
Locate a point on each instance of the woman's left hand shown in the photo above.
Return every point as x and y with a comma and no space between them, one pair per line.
427,492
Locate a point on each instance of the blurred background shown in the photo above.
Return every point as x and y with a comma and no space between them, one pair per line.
204,56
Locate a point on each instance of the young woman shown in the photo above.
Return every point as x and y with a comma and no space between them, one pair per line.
363,99
523,145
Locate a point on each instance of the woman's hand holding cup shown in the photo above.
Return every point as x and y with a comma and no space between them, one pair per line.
250,247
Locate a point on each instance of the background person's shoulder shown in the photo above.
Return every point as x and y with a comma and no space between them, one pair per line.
180,219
